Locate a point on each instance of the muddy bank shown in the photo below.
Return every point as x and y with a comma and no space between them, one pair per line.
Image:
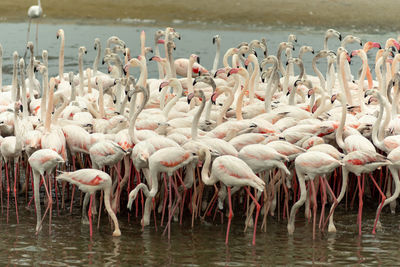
358,14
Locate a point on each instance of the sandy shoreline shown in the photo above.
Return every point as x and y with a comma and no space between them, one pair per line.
357,14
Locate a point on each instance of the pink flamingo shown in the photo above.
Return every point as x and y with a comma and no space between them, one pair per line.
312,164
231,171
89,181
41,161
166,160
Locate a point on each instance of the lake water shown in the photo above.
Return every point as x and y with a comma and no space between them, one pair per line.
69,243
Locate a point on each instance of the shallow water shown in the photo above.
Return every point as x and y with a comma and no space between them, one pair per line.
69,243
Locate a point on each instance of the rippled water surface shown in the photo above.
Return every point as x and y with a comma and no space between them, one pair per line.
69,244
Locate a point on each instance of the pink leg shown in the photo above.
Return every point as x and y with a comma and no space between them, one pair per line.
360,204
165,199
48,197
258,211
8,191
323,191
314,206
15,189
50,203
230,215
335,203
381,205
90,216
72,198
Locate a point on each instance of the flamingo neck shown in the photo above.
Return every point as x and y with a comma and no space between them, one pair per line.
14,80
178,93
80,62
361,82
107,204
61,58
50,106
318,72
228,102
216,58
97,59
375,139
344,82
196,118
278,56
206,169
189,82
44,95
132,123
339,130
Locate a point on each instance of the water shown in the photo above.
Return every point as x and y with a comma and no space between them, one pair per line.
69,244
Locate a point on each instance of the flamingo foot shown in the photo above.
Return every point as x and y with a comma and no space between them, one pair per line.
331,228
290,229
117,232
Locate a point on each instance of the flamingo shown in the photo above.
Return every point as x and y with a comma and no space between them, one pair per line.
89,181
232,172
41,161
34,12
308,166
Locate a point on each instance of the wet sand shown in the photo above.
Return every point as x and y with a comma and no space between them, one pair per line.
358,14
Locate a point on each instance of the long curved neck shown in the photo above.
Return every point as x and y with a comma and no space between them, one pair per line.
14,83
80,62
132,122
206,169
375,129
345,86
254,80
61,59
378,73
196,118
278,56
189,82
44,95
292,96
395,99
101,99
385,123
318,72
23,96
107,204
269,92
216,58
30,76
173,101
58,111
50,106
228,102
227,54
18,137
159,66
97,59
239,102
339,130
361,82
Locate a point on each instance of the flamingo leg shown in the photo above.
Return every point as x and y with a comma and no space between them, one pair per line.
314,195
90,216
323,190
47,209
381,205
230,215
15,187
257,213
360,204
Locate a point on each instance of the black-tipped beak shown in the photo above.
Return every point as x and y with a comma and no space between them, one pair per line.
21,108
262,80
85,52
95,48
213,40
124,71
194,82
215,75
102,62
287,63
255,53
57,36
198,60
361,44
312,51
340,37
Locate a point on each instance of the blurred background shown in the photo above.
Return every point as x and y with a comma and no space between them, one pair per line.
359,14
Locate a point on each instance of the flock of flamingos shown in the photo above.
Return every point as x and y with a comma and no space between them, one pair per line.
249,136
